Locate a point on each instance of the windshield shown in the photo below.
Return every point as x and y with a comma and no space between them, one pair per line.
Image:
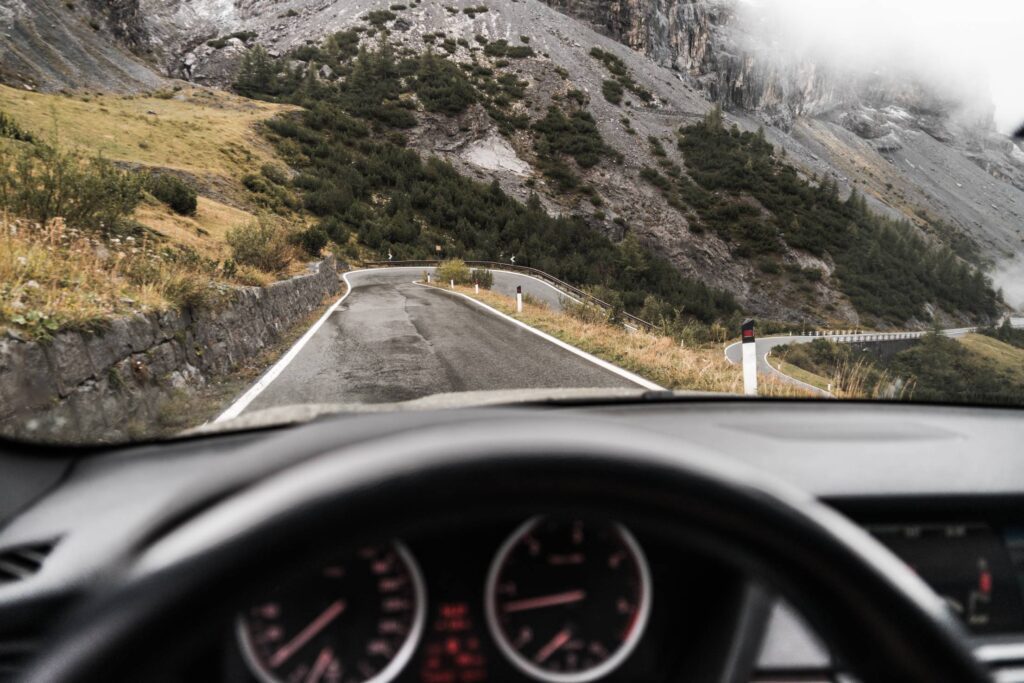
238,214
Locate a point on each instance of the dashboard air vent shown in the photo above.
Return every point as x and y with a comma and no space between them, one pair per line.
21,562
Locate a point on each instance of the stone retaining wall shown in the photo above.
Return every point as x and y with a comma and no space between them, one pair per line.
111,383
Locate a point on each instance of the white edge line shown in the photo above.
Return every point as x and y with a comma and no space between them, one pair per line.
794,380
776,371
637,379
556,290
270,375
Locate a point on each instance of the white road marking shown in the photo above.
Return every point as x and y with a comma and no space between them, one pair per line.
636,379
794,380
270,375
256,389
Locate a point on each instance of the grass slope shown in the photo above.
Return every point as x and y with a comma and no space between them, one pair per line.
198,131
1005,358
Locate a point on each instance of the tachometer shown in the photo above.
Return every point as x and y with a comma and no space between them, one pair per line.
354,619
567,600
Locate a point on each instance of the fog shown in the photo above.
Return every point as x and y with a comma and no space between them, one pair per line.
971,49
1009,275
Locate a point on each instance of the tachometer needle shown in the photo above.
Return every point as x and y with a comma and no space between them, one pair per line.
560,639
320,666
307,634
566,598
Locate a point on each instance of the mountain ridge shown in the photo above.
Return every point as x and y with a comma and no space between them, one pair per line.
901,161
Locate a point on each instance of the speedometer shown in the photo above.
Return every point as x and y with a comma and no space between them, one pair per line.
567,600
355,618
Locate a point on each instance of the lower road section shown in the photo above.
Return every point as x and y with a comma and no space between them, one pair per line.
393,340
734,352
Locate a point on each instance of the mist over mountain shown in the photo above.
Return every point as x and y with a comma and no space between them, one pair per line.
912,128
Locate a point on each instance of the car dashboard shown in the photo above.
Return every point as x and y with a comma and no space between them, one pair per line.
537,597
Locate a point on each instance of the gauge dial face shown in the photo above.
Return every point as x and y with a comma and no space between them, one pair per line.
353,619
567,600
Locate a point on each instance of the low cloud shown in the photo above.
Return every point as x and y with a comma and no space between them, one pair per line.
972,50
1009,276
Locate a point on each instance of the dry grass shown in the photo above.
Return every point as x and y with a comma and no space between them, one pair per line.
197,130
858,379
657,358
52,277
204,232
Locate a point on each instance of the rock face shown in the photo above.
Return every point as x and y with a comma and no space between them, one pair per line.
93,386
53,45
911,152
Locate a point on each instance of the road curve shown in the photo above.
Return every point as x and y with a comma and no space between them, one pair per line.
393,340
764,345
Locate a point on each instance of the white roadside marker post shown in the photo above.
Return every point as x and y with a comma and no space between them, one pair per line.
451,284
519,298
476,287
749,358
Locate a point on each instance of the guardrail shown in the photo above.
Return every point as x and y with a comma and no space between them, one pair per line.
630,319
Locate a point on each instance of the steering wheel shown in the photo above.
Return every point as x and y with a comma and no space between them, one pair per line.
880,618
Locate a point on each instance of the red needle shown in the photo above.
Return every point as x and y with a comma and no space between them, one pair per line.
320,666
306,634
565,598
560,639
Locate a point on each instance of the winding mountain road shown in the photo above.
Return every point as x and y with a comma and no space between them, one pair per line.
391,339
764,345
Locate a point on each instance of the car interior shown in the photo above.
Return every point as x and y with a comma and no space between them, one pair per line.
694,539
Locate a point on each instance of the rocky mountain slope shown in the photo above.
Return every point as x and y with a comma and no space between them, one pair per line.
910,154
912,145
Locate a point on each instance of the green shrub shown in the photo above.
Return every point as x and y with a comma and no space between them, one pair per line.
262,243
174,192
612,91
274,174
312,240
483,277
454,269
576,136
9,128
379,17
336,229
657,149
41,183
442,87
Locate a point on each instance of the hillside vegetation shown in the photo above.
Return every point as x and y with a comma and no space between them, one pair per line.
739,188
92,230
356,174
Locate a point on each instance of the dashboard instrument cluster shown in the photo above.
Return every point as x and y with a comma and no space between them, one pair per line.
557,599
548,599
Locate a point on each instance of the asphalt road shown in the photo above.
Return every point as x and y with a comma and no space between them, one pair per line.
764,345
393,340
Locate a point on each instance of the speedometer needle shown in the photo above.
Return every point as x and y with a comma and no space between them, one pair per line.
307,634
566,598
560,639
